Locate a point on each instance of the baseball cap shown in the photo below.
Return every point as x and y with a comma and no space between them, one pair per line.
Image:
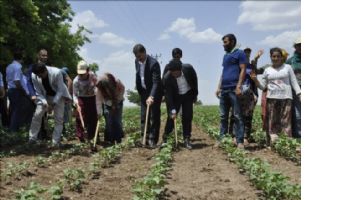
82,67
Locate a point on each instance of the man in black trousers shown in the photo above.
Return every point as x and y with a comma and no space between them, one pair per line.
181,90
149,86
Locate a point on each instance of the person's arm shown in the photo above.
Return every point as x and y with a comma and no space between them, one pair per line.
238,90
256,58
195,83
169,95
62,90
75,91
261,85
39,92
99,102
218,91
293,81
156,81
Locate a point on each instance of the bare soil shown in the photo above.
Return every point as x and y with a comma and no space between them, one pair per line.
205,173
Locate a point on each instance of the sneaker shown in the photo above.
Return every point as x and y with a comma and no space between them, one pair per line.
240,146
187,143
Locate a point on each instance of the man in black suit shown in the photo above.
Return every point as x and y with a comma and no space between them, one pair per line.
181,90
149,86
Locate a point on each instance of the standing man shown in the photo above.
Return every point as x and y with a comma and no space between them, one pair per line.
181,90
17,93
149,86
295,62
51,96
230,88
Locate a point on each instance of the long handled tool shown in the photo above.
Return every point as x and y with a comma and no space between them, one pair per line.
82,121
176,137
96,132
146,125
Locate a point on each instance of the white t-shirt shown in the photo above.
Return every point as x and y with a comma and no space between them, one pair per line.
280,82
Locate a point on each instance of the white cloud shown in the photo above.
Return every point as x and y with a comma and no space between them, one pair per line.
283,40
117,61
187,28
164,36
267,15
88,20
83,52
113,39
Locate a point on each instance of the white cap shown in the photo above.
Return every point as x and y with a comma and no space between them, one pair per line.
82,67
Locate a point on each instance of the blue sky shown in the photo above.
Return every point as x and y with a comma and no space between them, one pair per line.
195,27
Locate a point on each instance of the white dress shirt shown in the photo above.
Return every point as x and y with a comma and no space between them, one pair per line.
142,67
182,84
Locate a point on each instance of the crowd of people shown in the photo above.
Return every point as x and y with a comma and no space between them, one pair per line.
43,90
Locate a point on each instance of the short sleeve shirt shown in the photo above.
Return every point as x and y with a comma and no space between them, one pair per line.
231,69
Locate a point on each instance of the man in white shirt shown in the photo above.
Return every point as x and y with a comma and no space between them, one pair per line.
51,95
149,87
181,90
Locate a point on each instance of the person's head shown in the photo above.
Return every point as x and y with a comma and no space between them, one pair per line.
42,56
40,70
297,45
82,69
18,55
284,55
139,52
107,86
229,42
177,53
247,52
175,67
276,56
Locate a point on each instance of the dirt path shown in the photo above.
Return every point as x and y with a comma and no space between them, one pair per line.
44,176
116,182
205,173
279,164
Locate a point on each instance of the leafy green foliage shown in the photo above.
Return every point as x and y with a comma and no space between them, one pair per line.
273,184
74,178
31,193
153,183
41,161
33,24
134,97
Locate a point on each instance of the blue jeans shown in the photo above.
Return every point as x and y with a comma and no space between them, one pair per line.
113,125
296,117
229,100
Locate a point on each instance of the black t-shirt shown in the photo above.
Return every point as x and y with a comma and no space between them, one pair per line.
47,87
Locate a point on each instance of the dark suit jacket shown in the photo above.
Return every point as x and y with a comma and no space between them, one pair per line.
152,78
172,90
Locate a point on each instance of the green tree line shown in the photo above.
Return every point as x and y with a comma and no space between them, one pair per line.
29,25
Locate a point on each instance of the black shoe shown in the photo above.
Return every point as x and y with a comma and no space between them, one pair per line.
187,143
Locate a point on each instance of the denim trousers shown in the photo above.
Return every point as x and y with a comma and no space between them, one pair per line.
113,123
227,101
296,117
